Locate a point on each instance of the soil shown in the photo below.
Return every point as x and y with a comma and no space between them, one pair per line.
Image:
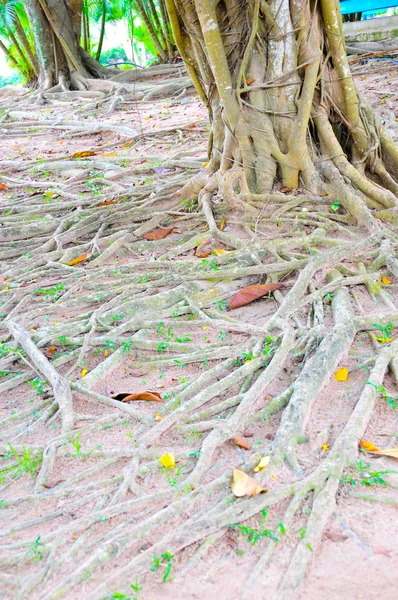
357,556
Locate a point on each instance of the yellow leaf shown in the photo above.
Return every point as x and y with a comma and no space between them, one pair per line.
243,485
393,452
368,446
381,339
205,327
205,164
83,154
219,251
168,461
341,374
223,224
84,372
106,352
56,322
158,417
262,464
79,259
325,447
32,329
109,154
385,280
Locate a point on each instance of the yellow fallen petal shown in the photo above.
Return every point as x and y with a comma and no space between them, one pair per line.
325,447
262,464
341,374
385,280
168,461
84,372
158,417
56,322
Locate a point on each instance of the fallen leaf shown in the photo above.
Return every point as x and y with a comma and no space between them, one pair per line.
243,485
106,352
109,154
52,483
3,278
241,442
231,542
253,292
336,537
131,397
158,417
381,339
168,461
106,203
158,234
219,251
223,224
84,372
392,452
83,154
200,251
3,187
250,80
382,550
385,280
325,447
51,350
285,189
368,446
264,462
79,259
341,374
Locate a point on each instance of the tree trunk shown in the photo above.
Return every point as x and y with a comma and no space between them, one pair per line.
24,65
166,28
102,32
25,44
63,63
140,7
283,103
9,56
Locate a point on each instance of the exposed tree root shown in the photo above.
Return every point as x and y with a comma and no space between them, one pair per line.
115,315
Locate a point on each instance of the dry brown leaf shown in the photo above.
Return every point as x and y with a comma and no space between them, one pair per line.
158,234
51,350
243,485
253,292
286,190
83,154
128,397
336,537
241,442
106,203
250,80
368,446
392,452
200,251
79,259
52,483
382,550
3,187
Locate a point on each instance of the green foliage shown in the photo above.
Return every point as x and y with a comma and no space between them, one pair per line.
165,561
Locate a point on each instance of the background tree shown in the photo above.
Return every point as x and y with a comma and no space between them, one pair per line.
283,104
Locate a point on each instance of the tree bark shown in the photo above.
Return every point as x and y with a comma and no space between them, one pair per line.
8,54
102,32
140,7
282,100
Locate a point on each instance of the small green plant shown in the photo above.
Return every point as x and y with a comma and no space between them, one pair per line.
161,347
185,338
53,292
172,476
380,389
127,346
255,535
78,449
26,463
136,587
188,205
37,385
222,335
335,206
35,552
109,346
221,304
385,330
165,561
